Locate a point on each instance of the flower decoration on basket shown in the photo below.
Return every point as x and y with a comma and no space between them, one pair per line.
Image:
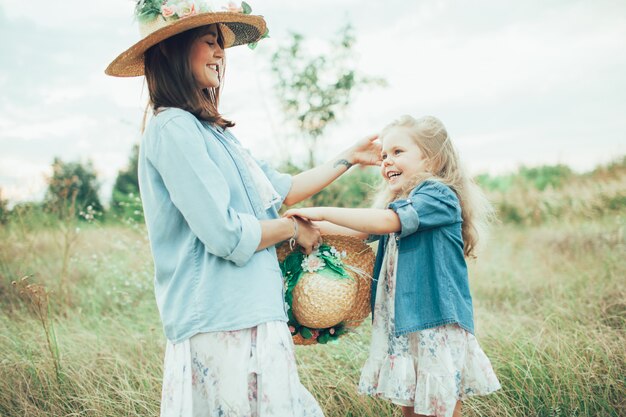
327,292
149,10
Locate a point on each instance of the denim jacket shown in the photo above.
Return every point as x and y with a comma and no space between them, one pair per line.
202,214
432,286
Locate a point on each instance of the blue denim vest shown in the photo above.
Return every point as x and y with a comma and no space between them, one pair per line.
432,286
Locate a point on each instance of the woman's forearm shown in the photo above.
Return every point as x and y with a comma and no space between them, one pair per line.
312,181
275,231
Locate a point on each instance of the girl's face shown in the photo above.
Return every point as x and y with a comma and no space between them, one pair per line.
402,158
206,58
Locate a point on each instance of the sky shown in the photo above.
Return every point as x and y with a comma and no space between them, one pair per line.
516,83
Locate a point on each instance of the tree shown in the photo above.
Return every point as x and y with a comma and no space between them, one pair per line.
125,202
73,189
314,89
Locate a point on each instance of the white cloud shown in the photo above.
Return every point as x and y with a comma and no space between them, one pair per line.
516,83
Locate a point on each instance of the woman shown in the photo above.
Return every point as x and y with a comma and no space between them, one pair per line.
211,211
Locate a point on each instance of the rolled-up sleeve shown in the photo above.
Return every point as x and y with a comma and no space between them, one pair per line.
430,205
409,219
200,192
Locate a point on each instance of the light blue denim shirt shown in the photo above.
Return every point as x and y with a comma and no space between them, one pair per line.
432,287
202,213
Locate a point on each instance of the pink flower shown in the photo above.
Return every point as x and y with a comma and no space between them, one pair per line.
292,329
233,8
332,330
312,263
167,11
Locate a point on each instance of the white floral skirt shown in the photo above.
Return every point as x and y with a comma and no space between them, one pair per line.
244,373
429,370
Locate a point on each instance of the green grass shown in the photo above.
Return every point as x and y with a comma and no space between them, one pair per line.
550,304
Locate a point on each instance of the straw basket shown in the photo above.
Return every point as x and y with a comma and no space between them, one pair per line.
322,302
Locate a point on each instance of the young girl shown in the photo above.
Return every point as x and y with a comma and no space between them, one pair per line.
211,211
423,354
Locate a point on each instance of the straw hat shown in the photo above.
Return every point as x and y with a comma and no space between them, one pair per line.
159,20
321,301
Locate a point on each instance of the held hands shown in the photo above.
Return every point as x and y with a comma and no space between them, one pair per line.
308,234
366,151
308,213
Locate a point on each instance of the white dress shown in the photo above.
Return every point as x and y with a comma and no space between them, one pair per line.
243,373
429,370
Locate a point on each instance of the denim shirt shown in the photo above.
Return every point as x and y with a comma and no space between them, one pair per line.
202,214
432,286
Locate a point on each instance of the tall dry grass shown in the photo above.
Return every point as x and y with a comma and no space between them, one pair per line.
550,303
585,197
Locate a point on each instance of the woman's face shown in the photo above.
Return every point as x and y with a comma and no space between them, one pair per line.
402,158
206,59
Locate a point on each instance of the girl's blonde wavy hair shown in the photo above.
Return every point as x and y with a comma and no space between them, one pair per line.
443,165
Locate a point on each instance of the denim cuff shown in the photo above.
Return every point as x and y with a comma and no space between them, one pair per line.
248,242
409,220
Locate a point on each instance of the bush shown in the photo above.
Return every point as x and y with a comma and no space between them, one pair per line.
125,201
72,189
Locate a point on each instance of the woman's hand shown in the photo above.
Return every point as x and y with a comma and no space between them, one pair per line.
309,236
308,213
366,151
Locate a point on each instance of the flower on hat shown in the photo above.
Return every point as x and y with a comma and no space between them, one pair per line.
313,263
233,8
147,10
167,11
184,9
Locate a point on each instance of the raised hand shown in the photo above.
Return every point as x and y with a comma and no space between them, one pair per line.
367,151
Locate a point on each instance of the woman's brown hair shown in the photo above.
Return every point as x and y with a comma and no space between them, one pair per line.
171,82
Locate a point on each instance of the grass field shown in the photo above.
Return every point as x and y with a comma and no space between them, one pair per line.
80,333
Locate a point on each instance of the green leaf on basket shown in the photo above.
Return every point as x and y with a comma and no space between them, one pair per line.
292,318
246,8
323,339
333,272
306,333
293,262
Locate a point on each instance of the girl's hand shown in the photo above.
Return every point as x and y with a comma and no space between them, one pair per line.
367,151
308,213
309,236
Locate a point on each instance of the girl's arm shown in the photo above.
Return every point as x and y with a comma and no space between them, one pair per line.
307,183
366,220
328,228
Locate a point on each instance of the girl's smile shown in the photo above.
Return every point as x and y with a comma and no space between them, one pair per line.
402,158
